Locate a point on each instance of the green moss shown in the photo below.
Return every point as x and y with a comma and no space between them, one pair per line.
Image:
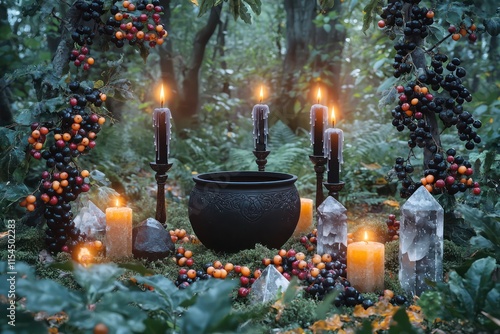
454,255
392,256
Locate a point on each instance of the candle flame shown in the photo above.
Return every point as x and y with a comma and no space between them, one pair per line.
366,236
261,94
84,255
333,117
162,96
117,202
319,94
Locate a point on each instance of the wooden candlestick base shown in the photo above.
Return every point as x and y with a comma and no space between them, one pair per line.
334,188
319,162
161,178
261,159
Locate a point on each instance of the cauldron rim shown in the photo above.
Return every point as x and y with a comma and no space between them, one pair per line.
254,178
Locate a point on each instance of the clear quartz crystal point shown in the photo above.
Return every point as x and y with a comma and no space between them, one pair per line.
420,242
332,226
268,285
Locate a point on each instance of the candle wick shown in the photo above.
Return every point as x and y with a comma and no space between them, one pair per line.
161,104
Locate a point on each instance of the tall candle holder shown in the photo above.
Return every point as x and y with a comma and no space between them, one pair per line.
319,162
161,179
334,188
261,159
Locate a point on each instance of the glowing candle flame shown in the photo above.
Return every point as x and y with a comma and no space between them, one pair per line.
333,117
366,236
117,202
162,96
84,255
261,95
319,94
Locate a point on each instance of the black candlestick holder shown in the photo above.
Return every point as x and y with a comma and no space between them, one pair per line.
319,162
261,159
161,178
334,188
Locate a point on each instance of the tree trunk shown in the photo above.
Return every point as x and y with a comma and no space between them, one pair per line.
5,109
219,51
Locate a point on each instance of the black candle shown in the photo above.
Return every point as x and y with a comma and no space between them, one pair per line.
319,119
161,123
260,114
333,140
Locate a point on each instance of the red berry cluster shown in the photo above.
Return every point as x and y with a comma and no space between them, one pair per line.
456,34
393,227
80,57
309,241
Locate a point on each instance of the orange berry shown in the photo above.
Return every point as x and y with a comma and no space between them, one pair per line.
38,146
57,136
463,32
430,14
414,102
23,203
131,7
159,28
31,140
316,258
78,119
44,130
314,272
257,273
174,238
90,61
59,190
97,244
85,141
405,106
456,37
119,17
64,183
229,267
80,148
462,169
430,178
181,233
191,273
210,270
103,97
429,187
416,89
217,273
56,185
188,254
424,90
91,135
101,120
470,181
300,256
280,269
119,35
266,261
84,173
30,199
472,27
223,273
180,249
423,181
125,4
217,264
35,134
159,41
388,294
326,257
129,25
63,176
30,207
75,126
140,35
245,271
282,252
320,265
277,260
66,137
409,113
302,264
182,261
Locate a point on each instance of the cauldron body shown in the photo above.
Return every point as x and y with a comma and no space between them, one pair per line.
234,210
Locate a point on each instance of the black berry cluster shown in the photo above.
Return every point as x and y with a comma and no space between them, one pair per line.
393,227
62,182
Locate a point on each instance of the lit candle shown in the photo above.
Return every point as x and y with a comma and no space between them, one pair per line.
365,265
84,256
319,121
161,123
118,231
305,222
260,114
332,145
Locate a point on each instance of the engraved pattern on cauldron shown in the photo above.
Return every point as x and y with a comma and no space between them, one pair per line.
251,207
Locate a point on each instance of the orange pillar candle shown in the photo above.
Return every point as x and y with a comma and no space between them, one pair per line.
118,232
365,265
306,217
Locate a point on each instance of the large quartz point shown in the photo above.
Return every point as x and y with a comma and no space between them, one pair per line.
268,285
420,242
332,226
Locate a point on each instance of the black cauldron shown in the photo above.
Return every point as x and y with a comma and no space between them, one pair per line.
232,211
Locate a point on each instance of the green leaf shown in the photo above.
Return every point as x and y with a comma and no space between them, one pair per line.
205,6
478,281
47,295
97,279
98,84
369,12
432,305
23,117
327,27
366,328
244,14
492,26
326,4
212,307
402,323
256,5
465,303
492,303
